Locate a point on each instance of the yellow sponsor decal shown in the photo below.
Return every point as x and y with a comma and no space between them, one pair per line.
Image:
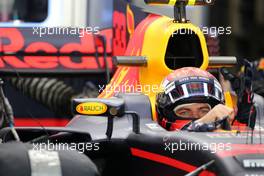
91,108
172,2
191,2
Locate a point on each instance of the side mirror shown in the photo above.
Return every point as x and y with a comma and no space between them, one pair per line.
98,107
110,108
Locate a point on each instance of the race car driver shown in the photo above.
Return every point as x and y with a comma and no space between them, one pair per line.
192,100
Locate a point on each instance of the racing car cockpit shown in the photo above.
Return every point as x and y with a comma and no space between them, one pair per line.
118,130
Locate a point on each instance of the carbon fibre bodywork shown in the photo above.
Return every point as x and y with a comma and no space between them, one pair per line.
154,151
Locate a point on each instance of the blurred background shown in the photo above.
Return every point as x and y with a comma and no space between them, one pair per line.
247,22
245,17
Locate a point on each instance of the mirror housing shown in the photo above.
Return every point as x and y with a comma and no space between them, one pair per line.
98,107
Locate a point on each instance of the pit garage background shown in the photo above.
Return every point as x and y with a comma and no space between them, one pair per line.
114,16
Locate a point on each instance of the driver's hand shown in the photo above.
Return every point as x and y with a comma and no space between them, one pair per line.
219,112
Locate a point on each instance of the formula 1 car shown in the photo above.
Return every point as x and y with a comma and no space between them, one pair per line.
129,142
118,130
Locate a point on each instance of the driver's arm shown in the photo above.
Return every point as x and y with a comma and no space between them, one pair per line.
207,122
217,113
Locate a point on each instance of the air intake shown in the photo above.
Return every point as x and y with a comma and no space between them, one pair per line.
183,50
